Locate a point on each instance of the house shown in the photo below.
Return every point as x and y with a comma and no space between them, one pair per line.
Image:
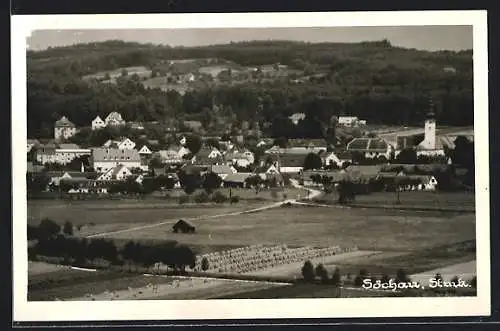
122,143
261,143
89,186
214,153
338,158
183,152
31,143
136,126
57,176
295,118
371,147
240,159
170,156
363,172
236,180
184,227
46,153
223,170
145,150
120,172
296,150
104,159
64,129
288,163
195,126
68,152
98,123
348,121
114,119
412,182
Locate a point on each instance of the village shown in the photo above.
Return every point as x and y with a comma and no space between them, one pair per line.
98,167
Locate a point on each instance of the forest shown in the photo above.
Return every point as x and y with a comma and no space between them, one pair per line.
375,81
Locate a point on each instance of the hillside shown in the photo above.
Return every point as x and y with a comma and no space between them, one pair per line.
372,80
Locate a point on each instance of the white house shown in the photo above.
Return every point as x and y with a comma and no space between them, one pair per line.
169,156
98,123
261,143
64,129
145,150
348,120
272,170
120,172
295,118
183,141
123,143
214,153
68,152
104,159
337,158
114,119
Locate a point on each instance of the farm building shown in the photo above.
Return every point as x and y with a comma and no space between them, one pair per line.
184,227
338,158
370,147
104,159
236,180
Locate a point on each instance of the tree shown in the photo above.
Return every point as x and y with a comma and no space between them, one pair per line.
68,228
211,181
322,273
346,192
193,143
473,282
407,156
308,272
281,142
48,228
312,161
204,264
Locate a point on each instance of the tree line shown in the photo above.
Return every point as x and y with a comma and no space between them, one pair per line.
364,82
54,241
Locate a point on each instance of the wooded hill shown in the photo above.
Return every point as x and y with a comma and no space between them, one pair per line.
373,80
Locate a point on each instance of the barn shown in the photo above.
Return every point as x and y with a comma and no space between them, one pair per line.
184,227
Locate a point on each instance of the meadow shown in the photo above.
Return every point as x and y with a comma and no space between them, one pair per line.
369,229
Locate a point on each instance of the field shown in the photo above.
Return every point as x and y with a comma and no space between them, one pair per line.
386,240
459,201
369,229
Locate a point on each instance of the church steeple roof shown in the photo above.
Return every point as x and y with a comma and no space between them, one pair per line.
430,110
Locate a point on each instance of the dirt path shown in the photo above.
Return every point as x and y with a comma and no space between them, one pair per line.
312,194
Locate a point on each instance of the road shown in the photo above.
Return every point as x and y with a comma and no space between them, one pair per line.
312,194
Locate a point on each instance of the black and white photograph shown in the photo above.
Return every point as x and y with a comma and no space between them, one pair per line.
235,156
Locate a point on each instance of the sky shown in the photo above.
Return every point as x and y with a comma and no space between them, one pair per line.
432,38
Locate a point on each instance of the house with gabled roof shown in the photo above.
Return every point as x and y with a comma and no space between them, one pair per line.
104,159
98,123
236,179
122,143
295,118
223,170
145,150
114,119
120,172
64,129
339,158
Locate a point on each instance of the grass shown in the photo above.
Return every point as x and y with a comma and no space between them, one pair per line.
459,201
369,229
121,212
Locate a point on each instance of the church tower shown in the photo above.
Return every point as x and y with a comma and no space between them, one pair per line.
429,142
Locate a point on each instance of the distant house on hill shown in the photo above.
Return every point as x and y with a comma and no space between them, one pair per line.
348,121
295,118
195,126
98,123
64,129
114,119
184,227
122,143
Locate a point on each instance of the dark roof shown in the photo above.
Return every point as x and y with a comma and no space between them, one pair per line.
237,177
368,145
183,223
64,122
411,168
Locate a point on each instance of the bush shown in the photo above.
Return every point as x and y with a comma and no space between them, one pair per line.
358,281
68,228
336,277
183,199
219,197
202,197
234,199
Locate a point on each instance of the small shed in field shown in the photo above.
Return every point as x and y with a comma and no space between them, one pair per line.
184,227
